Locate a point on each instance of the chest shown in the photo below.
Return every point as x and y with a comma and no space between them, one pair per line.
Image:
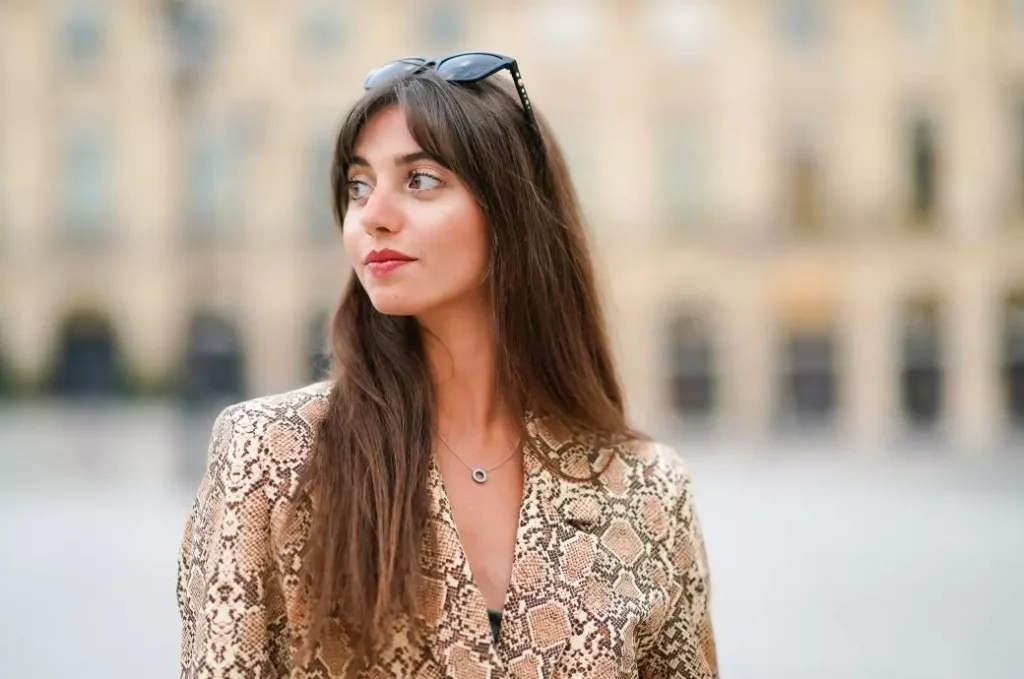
486,517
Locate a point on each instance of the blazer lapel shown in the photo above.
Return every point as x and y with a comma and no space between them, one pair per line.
452,605
554,554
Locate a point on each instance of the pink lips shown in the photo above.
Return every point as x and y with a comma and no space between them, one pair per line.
386,260
387,266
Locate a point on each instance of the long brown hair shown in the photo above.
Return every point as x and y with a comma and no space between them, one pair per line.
369,469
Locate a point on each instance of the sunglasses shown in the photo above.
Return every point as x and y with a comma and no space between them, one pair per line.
463,69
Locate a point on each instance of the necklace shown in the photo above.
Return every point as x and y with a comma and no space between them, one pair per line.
479,473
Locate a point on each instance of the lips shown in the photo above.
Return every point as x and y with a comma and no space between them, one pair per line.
385,261
386,255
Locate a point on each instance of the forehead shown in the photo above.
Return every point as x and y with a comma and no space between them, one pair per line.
385,135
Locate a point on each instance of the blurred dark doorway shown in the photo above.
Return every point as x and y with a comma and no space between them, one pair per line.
921,373
1013,359
88,362
692,366
214,366
809,378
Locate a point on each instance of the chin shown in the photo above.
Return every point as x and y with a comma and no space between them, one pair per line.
396,305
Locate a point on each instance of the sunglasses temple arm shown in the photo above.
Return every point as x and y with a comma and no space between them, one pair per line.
517,79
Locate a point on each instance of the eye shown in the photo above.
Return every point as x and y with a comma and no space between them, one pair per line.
420,180
358,189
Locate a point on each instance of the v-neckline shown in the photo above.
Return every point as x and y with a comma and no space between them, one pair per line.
480,609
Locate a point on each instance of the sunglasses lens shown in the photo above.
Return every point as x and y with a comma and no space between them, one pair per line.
471,67
393,70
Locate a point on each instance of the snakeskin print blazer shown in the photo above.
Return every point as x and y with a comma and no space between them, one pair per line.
609,578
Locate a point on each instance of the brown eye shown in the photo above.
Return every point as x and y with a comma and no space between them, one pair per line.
358,189
423,181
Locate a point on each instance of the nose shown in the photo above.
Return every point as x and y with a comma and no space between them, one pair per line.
381,212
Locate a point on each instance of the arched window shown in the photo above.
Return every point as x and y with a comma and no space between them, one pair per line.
88,361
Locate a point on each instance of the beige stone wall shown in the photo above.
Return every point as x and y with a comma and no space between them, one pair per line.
615,79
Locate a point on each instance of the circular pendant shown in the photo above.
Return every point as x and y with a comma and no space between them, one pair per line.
479,475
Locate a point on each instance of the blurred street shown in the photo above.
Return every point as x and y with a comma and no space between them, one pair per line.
826,564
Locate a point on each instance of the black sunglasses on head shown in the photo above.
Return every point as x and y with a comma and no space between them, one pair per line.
462,68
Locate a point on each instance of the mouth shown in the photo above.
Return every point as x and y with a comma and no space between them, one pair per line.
384,266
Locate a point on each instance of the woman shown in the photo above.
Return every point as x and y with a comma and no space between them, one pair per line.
470,460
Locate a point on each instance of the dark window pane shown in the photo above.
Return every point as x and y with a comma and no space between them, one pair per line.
692,369
924,170
319,356
444,23
1013,358
810,382
803,22
88,360
214,360
83,29
921,379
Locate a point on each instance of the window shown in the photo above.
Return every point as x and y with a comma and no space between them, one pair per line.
86,186
921,379
1013,358
921,20
443,23
803,22
321,26
82,25
88,358
683,28
214,360
1019,160
809,382
319,358
565,28
5,374
923,162
211,182
1016,10
684,171
692,388
193,34
804,200
320,207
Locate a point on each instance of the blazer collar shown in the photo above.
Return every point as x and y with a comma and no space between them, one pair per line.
553,557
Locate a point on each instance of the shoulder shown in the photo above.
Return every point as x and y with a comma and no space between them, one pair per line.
655,476
647,467
270,431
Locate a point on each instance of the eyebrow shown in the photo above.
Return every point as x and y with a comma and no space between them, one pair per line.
399,160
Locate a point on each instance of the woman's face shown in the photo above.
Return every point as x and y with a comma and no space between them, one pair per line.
415,235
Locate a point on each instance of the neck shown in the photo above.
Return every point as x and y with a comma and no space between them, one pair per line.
460,349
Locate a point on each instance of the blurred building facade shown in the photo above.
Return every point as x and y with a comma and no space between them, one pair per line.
808,214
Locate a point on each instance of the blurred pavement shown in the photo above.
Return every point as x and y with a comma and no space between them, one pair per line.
825,566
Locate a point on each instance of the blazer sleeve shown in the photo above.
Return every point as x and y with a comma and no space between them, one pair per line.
683,646
224,564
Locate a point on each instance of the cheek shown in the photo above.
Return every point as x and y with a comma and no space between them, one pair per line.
459,244
350,235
